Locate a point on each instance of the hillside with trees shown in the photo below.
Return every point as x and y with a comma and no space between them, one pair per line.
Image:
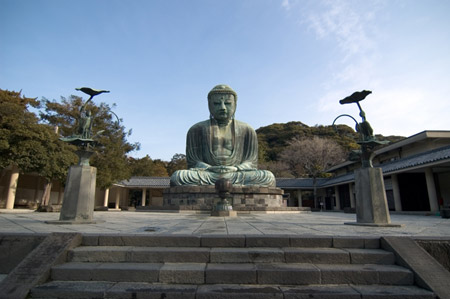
294,149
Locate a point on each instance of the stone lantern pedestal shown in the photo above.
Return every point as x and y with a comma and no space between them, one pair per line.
79,193
371,203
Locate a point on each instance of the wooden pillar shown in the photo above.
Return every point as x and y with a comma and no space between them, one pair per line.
150,195
144,196
431,187
299,198
396,191
60,194
117,198
338,199
105,199
352,196
12,188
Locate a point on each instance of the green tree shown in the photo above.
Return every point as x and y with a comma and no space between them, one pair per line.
147,167
29,145
177,162
112,147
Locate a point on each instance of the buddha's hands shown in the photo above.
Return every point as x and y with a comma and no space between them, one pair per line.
222,169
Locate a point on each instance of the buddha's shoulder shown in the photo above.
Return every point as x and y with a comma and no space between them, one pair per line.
243,125
200,125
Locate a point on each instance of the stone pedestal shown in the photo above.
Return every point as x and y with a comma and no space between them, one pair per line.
79,196
203,197
371,202
243,199
224,213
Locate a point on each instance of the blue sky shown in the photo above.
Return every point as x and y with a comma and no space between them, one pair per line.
287,60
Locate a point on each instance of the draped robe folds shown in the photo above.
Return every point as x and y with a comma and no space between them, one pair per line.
200,156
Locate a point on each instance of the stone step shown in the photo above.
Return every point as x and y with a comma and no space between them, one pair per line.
278,241
90,289
231,273
229,255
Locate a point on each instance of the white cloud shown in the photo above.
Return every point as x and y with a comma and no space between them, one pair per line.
341,23
286,4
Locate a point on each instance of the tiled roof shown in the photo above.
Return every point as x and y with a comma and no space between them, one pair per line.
342,179
296,183
146,181
436,155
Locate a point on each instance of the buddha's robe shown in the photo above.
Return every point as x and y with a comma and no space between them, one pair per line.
200,154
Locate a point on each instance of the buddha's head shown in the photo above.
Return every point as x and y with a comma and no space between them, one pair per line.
222,102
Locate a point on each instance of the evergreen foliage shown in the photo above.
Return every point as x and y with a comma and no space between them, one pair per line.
31,146
178,162
147,167
112,148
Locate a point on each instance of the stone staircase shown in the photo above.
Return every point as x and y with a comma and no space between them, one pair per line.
229,267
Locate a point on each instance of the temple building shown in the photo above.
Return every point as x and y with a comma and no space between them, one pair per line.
416,176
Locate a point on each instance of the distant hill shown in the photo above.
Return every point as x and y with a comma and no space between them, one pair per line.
274,138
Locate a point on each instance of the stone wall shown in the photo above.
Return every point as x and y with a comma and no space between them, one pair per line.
438,249
246,198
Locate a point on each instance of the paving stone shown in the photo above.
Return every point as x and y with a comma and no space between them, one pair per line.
311,241
372,243
190,273
107,272
371,256
348,242
348,274
282,273
152,241
246,255
393,292
170,254
320,292
71,289
238,292
230,273
395,275
138,290
110,240
316,255
267,241
223,241
89,240
99,254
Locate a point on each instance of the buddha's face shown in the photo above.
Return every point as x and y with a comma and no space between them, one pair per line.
222,106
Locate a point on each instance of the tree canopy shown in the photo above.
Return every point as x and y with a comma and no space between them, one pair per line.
177,162
112,147
147,167
31,146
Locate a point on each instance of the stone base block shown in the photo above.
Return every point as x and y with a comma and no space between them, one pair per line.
371,202
224,213
243,198
79,195
72,222
374,224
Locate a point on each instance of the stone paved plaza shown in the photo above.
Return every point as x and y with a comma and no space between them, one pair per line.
315,223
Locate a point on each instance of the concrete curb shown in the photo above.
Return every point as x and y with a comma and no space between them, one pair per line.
428,273
35,268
